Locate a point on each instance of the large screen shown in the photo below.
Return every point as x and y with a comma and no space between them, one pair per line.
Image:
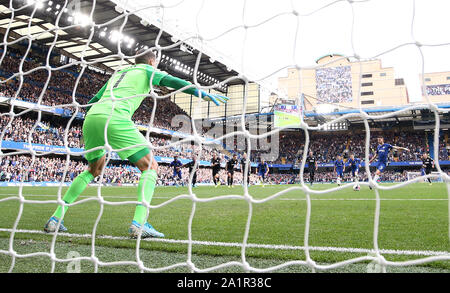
334,84
287,116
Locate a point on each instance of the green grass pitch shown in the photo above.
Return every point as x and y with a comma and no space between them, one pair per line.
414,220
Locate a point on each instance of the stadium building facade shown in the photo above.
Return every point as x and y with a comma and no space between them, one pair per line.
438,86
337,80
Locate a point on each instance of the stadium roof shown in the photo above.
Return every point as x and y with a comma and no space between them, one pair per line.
137,33
377,110
331,55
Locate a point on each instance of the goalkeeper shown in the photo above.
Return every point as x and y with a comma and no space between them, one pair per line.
122,135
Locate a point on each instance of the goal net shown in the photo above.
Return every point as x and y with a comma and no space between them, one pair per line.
69,33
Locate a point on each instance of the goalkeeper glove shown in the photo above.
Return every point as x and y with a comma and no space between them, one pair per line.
214,98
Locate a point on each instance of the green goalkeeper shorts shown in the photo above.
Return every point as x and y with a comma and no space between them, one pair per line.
120,134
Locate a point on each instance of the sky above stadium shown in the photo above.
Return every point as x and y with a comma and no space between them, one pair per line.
262,50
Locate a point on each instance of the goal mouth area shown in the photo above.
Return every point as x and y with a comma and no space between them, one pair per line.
434,176
58,54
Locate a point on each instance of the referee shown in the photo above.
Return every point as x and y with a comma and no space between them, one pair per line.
427,165
312,166
215,163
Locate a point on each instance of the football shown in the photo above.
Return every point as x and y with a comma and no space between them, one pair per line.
356,187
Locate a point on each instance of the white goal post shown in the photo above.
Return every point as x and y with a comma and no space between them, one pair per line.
157,9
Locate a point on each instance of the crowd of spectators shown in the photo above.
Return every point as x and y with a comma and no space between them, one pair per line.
18,168
165,111
51,134
63,80
291,145
44,169
330,177
326,147
334,84
62,86
44,133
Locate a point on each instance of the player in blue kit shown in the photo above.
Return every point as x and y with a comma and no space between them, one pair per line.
354,164
382,153
339,168
263,171
176,164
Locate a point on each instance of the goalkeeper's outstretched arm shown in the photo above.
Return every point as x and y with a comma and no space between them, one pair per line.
178,83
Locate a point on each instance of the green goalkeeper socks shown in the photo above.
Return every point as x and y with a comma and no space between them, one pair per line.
146,187
76,188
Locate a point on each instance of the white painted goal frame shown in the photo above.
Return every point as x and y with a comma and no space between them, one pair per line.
377,255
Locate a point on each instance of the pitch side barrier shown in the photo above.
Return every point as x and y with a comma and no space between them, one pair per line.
57,184
363,164
371,110
46,109
13,145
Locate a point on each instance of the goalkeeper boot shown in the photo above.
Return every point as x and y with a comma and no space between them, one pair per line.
147,231
52,224
151,232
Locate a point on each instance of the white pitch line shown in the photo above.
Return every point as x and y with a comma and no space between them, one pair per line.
351,199
249,245
295,199
83,196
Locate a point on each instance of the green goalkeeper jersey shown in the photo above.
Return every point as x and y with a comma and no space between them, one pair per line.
131,81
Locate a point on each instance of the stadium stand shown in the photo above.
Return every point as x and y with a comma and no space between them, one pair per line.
59,91
50,130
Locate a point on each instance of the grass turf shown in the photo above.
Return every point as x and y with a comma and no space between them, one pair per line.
414,217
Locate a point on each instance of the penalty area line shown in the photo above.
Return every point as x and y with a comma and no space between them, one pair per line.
249,245
294,199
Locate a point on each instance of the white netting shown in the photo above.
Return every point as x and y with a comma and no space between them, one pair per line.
16,7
